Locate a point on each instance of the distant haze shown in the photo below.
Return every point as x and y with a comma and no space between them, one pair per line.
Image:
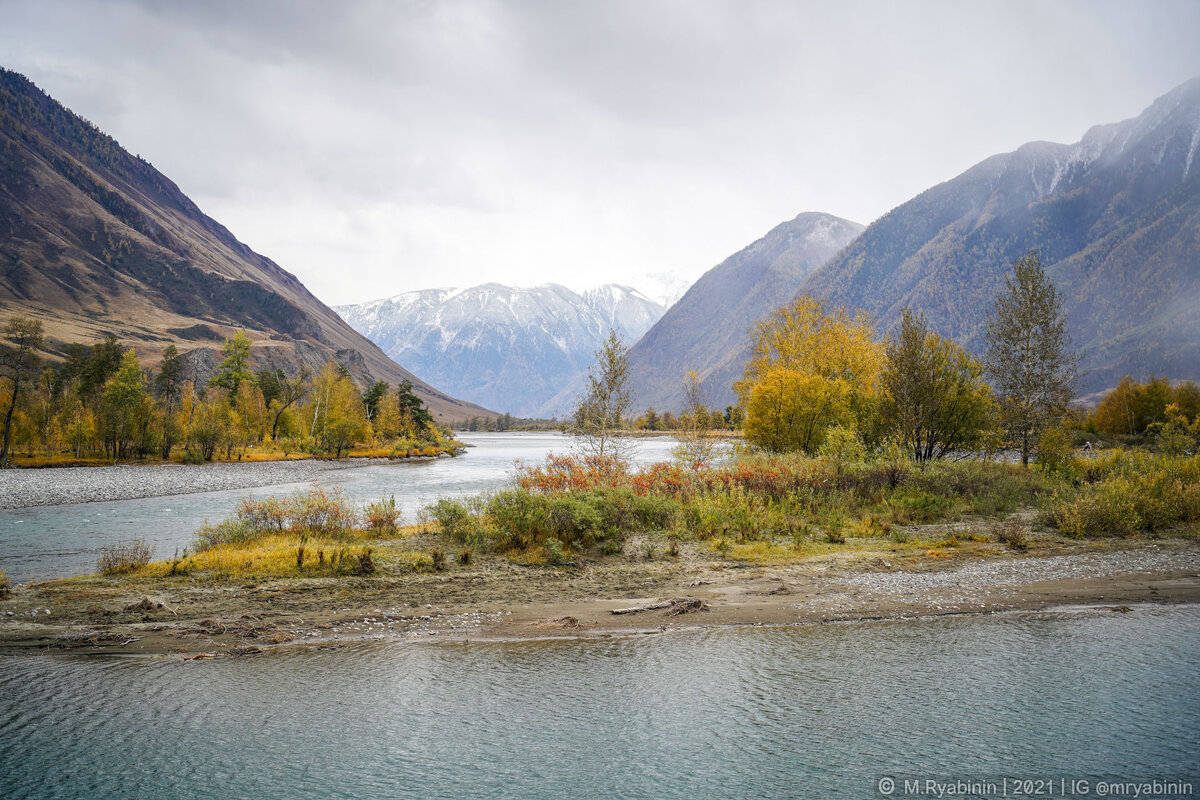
375,147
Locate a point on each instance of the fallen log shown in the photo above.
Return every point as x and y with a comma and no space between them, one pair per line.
674,606
649,607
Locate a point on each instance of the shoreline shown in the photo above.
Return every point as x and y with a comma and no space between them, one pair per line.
32,487
214,618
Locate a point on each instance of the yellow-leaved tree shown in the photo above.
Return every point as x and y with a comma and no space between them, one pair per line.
809,370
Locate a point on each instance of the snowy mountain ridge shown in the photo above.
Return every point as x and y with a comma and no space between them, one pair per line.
524,349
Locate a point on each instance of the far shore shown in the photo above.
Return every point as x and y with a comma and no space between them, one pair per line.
500,600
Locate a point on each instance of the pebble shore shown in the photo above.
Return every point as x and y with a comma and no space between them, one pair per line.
21,488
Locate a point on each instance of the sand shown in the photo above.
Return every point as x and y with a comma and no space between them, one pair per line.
500,600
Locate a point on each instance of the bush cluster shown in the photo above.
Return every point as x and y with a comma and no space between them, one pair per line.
1129,492
316,512
569,504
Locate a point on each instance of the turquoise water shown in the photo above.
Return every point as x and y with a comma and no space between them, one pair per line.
58,541
806,712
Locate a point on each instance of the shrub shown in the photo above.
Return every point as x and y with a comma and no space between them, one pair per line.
438,559
323,512
1011,533
266,516
5,585
453,517
230,531
1054,450
381,517
120,558
916,505
575,518
464,558
1109,510
520,518
556,554
366,564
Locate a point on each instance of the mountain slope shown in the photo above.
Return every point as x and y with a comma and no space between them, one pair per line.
519,350
708,329
93,239
1116,218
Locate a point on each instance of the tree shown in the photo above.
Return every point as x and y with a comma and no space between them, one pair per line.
102,363
412,410
338,418
809,371
209,419
19,359
168,383
281,392
934,396
122,405
1028,354
598,417
696,448
235,368
373,397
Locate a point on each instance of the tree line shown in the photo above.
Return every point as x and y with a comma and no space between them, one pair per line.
101,401
822,380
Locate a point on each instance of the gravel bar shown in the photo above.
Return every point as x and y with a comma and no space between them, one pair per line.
983,583
21,488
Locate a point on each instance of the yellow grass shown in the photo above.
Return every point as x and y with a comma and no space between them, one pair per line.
275,557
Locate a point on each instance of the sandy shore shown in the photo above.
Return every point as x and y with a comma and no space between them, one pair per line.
505,601
21,488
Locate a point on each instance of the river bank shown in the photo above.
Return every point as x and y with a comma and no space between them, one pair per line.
498,599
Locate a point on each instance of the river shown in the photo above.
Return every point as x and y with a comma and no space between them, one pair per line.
813,711
44,542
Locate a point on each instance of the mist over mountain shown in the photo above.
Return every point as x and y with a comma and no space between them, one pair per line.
708,328
95,240
1115,217
513,349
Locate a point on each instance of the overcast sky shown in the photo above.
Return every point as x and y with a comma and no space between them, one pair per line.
377,147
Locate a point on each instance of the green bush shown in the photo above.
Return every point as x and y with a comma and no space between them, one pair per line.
1108,510
916,505
520,518
453,517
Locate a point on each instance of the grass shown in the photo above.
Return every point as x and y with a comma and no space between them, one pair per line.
757,510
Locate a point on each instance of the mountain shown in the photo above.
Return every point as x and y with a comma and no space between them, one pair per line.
95,240
519,350
708,328
1115,217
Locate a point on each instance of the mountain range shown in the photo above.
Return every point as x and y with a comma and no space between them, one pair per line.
1115,218
513,349
95,240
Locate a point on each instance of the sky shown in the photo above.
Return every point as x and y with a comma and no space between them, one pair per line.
373,148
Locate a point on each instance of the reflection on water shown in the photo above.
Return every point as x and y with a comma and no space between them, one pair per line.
56,541
817,711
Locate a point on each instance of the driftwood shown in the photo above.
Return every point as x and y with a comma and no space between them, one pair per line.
674,606
640,609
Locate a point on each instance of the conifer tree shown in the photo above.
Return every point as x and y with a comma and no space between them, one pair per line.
1029,358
